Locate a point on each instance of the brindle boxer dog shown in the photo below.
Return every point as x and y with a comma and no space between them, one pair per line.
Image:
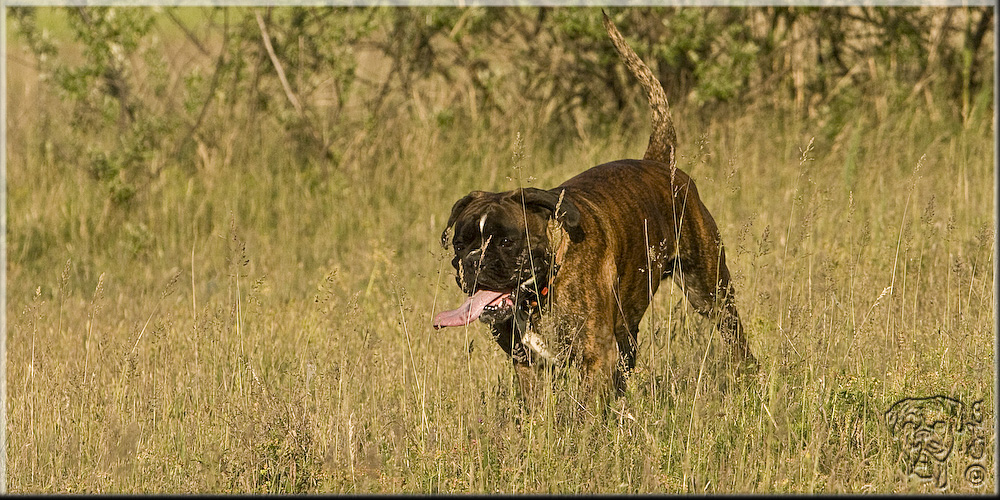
621,227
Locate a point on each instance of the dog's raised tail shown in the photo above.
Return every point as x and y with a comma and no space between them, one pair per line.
662,138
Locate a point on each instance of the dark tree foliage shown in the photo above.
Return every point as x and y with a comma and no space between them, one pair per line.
321,74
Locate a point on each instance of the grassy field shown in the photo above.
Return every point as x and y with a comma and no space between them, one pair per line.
256,324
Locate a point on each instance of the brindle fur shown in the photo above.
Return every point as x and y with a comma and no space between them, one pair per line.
631,223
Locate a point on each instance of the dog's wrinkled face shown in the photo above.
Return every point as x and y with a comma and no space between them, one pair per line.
502,253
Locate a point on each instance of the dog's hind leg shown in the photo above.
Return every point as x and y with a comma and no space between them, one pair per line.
728,322
709,290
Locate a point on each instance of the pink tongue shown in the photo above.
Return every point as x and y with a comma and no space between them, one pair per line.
467,312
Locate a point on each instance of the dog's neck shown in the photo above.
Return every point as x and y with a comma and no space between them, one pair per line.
558,240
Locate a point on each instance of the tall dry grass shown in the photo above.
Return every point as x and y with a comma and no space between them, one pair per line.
255,324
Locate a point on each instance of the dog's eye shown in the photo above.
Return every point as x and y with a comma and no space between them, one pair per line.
506,242
459,246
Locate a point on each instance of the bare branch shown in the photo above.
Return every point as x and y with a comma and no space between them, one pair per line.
277,65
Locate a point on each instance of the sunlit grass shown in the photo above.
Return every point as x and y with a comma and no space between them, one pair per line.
258,324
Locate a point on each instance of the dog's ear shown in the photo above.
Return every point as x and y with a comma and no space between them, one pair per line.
456,211
555,203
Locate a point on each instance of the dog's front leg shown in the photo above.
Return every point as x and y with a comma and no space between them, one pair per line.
509,340
598,362
527,380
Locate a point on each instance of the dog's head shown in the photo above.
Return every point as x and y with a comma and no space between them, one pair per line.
502,251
